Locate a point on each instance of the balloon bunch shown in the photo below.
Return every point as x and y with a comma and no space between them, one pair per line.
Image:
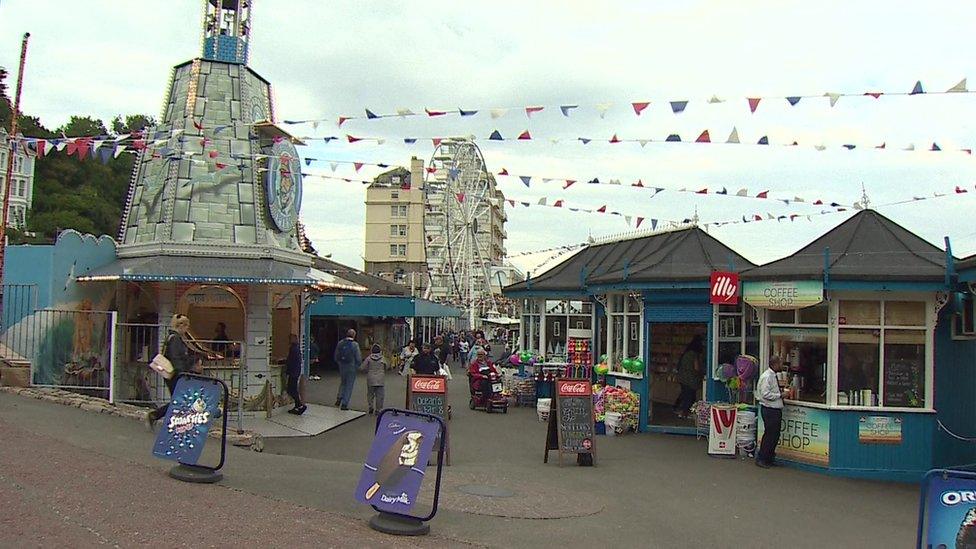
633,365
602,367
736,376
524,357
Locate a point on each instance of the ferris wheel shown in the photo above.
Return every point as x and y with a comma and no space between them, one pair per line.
458,226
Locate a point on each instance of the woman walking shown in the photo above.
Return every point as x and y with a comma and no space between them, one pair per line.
175,349
375,368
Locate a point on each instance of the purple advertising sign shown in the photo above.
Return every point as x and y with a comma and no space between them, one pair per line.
184,429
395,466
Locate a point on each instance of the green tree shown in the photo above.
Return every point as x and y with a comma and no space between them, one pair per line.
131,123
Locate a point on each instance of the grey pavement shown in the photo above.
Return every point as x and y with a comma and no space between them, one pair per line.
645,490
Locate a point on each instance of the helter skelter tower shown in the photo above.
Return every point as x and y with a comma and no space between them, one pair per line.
210,226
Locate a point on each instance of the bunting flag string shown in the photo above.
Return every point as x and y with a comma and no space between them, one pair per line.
638,107
637,220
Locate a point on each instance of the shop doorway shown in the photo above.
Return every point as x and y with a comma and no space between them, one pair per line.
670,404
327,333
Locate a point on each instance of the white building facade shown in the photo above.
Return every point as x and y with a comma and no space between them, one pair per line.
21,184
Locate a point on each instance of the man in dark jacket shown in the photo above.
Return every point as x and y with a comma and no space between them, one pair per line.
293,369
426,363
348,357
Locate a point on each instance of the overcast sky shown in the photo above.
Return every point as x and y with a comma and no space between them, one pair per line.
326,59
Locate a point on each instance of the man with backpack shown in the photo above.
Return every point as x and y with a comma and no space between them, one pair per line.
348,357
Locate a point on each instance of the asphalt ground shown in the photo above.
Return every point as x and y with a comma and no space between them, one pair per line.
645,490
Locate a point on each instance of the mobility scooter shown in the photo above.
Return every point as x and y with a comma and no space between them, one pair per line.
486,392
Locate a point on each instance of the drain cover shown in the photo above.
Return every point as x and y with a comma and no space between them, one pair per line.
486,491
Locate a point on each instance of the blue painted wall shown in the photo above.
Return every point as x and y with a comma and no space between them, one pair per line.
907,461
955,392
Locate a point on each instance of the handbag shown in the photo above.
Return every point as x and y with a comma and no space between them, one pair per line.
161,364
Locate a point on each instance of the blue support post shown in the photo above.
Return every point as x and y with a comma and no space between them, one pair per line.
826,276
950,263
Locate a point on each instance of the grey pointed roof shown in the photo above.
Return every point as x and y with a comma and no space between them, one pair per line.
966,263
868,246
677,256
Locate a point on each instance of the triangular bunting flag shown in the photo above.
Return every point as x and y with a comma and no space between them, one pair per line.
935,147
639,107
333,166
405,112
602,209
678,106
594,181
639,183
614,139
503,172
357,165
960,190
341,120
958,88
715,99
498,113
117,152
436,141
704,138
602,108
524,136
370,114
643,142
352,139
702,191
584,140
849,146
106,153
881,146
330,138
566,108
460,197
874,94
526,204
496,136
627,219
733,137
910,147
820,147
530,110
794,100
653,224
723,191
764,140
639,221
197,125
542,201
754,103
673,138
742,192
569,183
525,179
557,204
463,112
917,89
434,113
833,98
764,194
511,203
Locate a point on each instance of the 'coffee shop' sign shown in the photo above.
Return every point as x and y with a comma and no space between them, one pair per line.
794,294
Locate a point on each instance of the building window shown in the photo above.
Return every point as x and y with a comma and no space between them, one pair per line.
398,230
398,250
395,195
799,338
531,318
737,333
881,358
18,163
398,210
624,334
562,316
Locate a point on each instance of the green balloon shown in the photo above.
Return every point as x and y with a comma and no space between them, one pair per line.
638,364
627,364
601,368
603,358
525,356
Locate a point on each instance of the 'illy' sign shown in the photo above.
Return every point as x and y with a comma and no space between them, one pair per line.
724,288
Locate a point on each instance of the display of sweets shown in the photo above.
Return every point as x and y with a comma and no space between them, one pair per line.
578,351
614,399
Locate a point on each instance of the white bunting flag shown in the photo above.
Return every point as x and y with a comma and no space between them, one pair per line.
958,88
602,108
833,98
734,136
498,113
643,142
742,192
404,112
715,99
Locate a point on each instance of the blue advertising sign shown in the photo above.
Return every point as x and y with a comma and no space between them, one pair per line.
184,430
397,461
947,514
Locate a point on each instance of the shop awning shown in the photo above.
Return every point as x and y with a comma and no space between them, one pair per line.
208,270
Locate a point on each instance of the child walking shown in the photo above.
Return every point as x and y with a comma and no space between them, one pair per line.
375,368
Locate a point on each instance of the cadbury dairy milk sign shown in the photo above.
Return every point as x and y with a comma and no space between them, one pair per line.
724,288
397,462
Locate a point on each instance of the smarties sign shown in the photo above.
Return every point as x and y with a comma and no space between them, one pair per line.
783,295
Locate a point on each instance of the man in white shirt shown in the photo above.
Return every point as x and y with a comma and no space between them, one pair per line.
771,407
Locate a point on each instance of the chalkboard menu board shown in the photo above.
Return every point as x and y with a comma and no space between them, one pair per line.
428,394
904,383
572,419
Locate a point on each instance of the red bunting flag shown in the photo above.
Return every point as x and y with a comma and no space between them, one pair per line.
703,191
525,136
213,154
434,113
569,183
639,221
503,172
764,194
818,203
197,125
704,138
639,183
342,119
436,141
357,165
754,103
602,209
639,107
757,217
967,151
460,197
558,204
530,110
881,146
220,166
41,144
874,94
352,139
614,139
960,190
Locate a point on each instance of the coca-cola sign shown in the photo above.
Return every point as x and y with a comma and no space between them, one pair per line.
428,384
574,387
724,288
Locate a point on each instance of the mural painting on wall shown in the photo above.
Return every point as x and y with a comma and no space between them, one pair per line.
75,350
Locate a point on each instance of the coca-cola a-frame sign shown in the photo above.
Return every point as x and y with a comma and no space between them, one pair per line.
571,429
428,394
